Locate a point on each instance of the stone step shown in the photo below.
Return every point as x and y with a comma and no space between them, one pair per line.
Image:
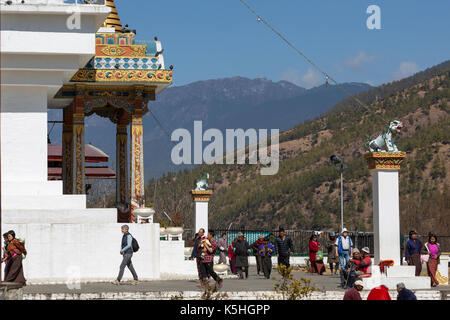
412,283
401,271
44,202
21,216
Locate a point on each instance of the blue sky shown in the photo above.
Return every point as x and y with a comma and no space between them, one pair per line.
208,39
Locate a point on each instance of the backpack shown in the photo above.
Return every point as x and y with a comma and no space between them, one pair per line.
134,244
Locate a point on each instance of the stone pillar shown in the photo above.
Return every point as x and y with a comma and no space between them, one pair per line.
122,161
137,159
73,148
201,199
386,213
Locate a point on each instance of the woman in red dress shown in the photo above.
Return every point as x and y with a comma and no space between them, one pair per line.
317,266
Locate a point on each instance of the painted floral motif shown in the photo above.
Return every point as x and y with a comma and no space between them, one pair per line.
85,75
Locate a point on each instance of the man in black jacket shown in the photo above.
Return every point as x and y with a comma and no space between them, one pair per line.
284,248
197,252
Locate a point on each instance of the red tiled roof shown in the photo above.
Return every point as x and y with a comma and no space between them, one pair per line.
91,153
92,173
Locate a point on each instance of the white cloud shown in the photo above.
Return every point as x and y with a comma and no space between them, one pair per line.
308,80
355,63
292,76
405,69
311,79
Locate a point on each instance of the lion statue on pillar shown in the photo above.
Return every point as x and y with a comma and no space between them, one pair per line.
387,140
202,183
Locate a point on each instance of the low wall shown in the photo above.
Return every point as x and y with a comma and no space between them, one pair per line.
74,253
172,261
196,295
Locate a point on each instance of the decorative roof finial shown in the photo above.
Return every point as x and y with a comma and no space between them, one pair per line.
113,20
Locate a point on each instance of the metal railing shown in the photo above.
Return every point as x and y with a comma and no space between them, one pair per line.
300,238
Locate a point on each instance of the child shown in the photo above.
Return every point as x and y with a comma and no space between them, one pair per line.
205,244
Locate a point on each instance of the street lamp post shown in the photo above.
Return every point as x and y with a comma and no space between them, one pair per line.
341,167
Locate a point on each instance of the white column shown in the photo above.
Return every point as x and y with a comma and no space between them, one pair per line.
201,215
23,134
386,215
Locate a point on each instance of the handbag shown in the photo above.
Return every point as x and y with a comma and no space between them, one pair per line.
319,256
425,257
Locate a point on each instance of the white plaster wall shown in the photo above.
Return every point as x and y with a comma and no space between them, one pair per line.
67,216
61,253
386,215
201,215
172,262
24,134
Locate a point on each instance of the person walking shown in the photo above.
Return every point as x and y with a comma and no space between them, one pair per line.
232,257
284,248
403,293
127,252
343,246
412,252
333,258
315,259
222,245
5,245
208,263
432,249
242,249
353,292
197,251
13,258
265,251
255,247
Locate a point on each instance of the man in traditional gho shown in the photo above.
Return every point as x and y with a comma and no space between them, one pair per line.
332,258
197,251
242,250
412,252
265,251
255,247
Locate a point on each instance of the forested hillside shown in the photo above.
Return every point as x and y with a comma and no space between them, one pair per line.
305,192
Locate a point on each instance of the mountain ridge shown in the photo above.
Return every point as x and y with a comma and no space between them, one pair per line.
235,102
305,193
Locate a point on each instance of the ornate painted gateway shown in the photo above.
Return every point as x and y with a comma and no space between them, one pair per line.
117,83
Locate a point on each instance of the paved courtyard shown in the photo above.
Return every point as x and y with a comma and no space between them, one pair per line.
325,282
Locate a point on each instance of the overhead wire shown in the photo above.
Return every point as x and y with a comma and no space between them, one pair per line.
290,44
